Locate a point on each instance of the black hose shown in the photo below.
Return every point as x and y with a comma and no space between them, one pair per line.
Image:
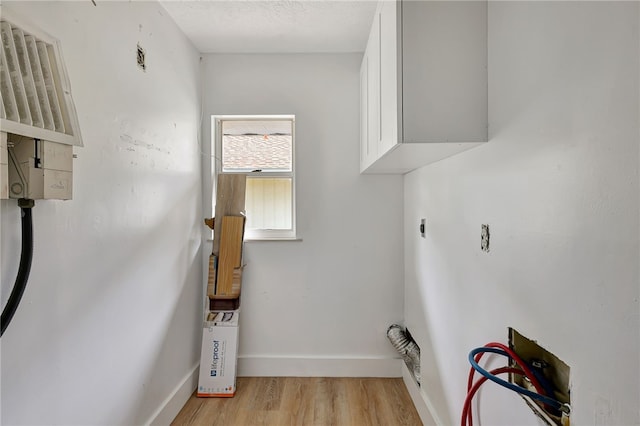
26,255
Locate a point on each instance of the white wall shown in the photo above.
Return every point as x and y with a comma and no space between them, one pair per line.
109,325
319,306
558,185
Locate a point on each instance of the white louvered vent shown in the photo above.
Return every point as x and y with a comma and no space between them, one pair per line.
35,89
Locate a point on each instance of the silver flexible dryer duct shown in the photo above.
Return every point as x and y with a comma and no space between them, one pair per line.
406,347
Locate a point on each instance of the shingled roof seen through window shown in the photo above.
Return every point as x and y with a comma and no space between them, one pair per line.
256,152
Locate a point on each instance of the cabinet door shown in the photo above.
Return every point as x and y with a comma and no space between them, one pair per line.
444,71
373,94
388,65
364,113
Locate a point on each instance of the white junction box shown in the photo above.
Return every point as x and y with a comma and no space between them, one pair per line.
39,169
218,360
4,167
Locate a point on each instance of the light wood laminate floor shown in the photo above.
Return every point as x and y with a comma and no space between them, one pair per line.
284,401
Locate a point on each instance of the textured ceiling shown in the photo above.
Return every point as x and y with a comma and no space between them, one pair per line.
274,26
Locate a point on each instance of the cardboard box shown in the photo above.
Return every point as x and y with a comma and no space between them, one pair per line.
218,360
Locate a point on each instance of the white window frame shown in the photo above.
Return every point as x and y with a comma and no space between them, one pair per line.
216,131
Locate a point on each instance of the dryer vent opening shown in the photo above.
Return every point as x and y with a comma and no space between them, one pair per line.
408,349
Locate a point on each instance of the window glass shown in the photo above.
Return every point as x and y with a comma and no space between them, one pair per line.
268,203
257,146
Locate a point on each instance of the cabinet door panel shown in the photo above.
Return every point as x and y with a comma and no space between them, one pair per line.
373,90
388,77
364,112
444,71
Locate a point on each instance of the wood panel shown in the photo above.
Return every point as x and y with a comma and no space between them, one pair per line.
230,198
231,237
285,401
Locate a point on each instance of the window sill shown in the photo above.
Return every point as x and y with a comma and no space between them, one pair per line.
259,240
267,240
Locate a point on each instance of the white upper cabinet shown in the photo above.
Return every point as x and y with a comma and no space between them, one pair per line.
426,72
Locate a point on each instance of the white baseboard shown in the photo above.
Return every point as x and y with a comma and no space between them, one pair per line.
266,366
171,406
419,400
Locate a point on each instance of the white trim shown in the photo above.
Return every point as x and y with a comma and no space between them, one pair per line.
418,398
249,240
272,239
256,117
256,234
300,366
171,406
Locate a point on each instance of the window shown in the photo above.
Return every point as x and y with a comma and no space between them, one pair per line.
263,148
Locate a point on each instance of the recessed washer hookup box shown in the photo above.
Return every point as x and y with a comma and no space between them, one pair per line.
218,359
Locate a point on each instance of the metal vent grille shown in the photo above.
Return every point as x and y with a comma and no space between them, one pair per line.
36,99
